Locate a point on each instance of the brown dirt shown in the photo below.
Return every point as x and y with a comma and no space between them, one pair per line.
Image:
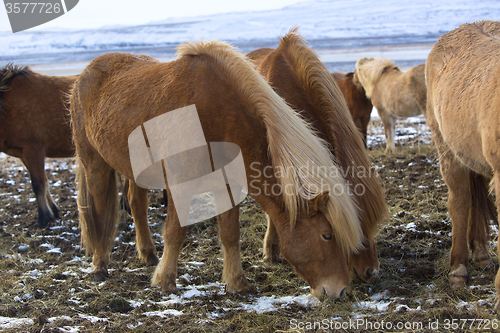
45,272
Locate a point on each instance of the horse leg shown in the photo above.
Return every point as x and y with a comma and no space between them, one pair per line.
98,206
124,201
33,159
51,203
456,177
173,236
482,210
389,122
138,201
271,243
229,230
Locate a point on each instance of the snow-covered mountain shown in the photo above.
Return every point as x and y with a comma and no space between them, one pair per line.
323,23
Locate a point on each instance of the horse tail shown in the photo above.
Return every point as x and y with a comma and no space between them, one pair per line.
97,235
303,157
7,73
348,146
483,210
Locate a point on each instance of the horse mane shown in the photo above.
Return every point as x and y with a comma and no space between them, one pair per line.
294,148
370,70
329,101
7,73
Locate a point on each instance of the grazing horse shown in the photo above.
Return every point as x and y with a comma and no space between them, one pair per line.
392,92
34,124
355,97
297,75
116,93
462,76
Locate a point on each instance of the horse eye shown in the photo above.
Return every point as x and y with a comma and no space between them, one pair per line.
327,237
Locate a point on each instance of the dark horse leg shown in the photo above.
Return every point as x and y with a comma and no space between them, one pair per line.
33,158
482,210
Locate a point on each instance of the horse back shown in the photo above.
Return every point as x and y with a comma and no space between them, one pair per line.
117,93
463,80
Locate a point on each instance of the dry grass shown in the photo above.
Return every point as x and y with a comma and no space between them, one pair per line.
53,288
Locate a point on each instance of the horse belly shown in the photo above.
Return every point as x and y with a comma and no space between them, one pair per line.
465,141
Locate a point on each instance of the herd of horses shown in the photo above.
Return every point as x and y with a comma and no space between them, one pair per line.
286,112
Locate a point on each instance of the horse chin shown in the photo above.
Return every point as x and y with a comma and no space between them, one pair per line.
330,290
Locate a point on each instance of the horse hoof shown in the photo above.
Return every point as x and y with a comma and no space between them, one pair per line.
100,275
272,259
151,259
165,282
55,211
41,224
170,288
241,285
483,259
485,262
44,218
458,278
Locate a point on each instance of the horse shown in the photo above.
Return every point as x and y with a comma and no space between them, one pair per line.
285,160
392,92
355,97
34,124
300,78
462,111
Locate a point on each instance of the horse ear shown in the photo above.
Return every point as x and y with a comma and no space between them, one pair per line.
320,201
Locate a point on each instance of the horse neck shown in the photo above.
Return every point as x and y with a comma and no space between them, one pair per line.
313,91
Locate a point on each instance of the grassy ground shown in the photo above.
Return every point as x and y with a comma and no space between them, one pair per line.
45,272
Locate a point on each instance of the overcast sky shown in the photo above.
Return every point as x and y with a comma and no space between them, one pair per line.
97,13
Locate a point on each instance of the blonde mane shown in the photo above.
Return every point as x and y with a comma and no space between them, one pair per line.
370,70
293,146
349,150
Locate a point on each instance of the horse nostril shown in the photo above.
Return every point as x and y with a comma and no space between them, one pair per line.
342,293
368,273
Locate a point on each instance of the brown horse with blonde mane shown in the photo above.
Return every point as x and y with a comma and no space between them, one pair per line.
116,93
462,76
392,92
34,124
297,75
355,97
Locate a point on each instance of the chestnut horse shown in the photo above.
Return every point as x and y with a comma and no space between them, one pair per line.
357,102
34,124
297,75
116,93
392,92
462,76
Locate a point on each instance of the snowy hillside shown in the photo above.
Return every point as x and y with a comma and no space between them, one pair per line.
325,23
